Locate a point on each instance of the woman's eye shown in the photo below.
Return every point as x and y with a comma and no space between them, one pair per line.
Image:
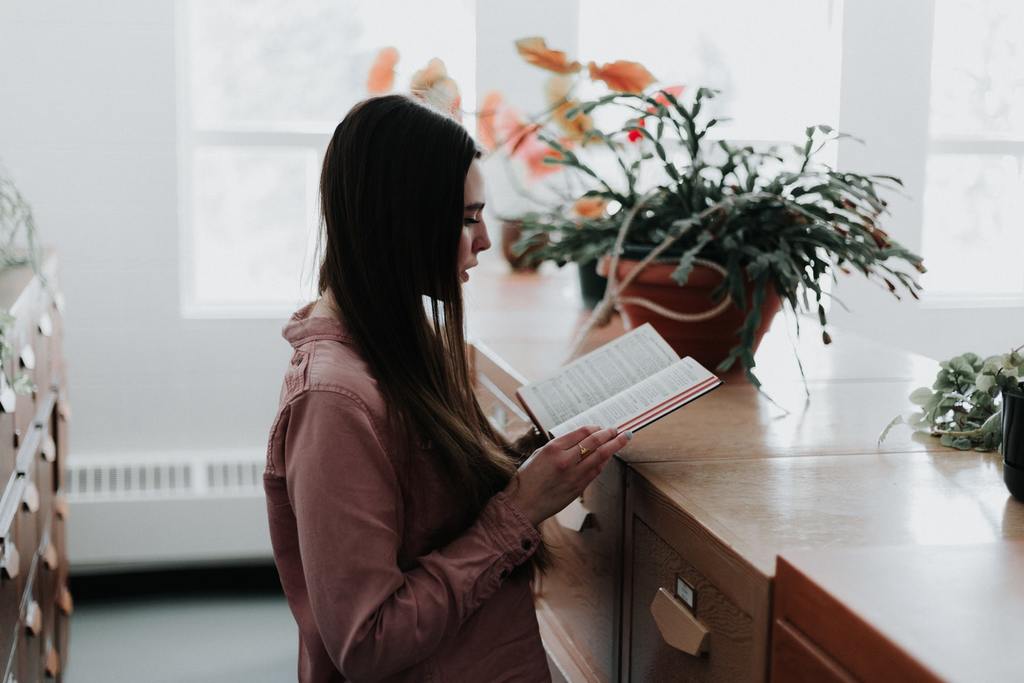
470,221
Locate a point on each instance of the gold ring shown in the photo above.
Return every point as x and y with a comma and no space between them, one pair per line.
584,451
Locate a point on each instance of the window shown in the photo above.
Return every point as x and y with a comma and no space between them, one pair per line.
263,83
777,64
974,194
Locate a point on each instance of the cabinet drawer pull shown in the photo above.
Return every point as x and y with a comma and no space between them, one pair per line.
10,564
677,624
574,516
45,325
49,449
50,557
28,357
60,506
52,667
64,602
30,498
33,619
8,399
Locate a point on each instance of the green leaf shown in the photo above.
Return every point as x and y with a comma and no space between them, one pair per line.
921,396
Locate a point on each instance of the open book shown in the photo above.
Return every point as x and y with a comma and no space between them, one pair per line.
628,383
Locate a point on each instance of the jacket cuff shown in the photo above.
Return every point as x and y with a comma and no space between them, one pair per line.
511,530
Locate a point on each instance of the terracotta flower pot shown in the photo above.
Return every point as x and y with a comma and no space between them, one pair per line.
707,341
511,231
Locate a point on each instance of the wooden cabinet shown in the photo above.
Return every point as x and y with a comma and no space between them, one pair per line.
34,598
670,578
579,599
911,613
693,611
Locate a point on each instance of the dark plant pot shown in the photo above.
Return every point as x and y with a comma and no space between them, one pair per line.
1013,442
707,341
592,285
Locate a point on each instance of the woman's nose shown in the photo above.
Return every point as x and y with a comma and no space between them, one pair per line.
483,241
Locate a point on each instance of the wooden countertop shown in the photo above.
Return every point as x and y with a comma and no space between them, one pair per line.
763,507
955,609
857,386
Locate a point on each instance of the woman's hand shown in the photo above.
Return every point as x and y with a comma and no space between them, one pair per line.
557,473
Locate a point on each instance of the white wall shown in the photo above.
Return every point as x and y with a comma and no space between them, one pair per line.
87,129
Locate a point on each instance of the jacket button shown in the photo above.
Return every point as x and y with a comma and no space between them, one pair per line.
527,544
297,360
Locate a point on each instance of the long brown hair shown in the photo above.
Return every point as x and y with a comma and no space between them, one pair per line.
392,207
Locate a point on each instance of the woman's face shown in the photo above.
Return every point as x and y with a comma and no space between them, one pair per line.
474,232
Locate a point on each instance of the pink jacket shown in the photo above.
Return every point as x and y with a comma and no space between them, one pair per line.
386,577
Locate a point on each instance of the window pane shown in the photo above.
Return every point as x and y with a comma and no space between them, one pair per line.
972,237
777,64
977,55
272,64
254,220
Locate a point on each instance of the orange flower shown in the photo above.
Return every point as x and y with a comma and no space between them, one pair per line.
433,85
622,76
673,90
486,119
590,207
557,91
536,52
382,72
534,152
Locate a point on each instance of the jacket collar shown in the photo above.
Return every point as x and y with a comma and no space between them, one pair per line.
302,328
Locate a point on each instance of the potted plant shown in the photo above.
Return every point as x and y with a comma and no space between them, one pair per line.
703,238
976,404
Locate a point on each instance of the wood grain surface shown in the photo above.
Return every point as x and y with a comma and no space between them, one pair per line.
911,613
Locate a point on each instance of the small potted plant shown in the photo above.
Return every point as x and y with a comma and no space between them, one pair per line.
703,238
1013,437
976,404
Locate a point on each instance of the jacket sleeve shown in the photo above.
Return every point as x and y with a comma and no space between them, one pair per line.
374,619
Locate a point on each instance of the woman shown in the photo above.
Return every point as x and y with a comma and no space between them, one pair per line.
402,529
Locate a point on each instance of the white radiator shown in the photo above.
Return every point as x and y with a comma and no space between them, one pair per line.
165,510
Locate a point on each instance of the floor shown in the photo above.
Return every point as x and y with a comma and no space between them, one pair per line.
199,627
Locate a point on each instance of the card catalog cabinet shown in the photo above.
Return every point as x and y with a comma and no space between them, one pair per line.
35,602
692,610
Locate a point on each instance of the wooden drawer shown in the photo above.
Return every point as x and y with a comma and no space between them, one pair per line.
65,606
692,611
579,599
31,635
23,344
795,659
8,453
59,432
26,524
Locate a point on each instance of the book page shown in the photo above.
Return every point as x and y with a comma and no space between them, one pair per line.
645,402
597,376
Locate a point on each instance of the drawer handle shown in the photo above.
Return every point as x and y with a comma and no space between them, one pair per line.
33,619
28,357
45,325
10,564
49,449
60,506
50,557
677,624
64,410
30,499
574,516
52,663
64,602
8,398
